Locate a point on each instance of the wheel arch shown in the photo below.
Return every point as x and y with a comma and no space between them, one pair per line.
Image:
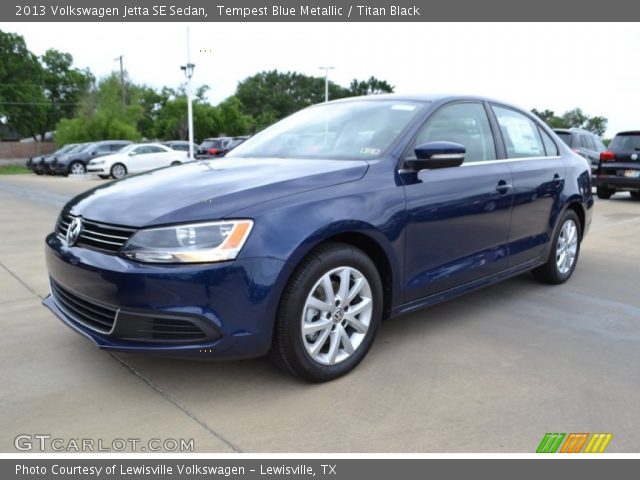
368,239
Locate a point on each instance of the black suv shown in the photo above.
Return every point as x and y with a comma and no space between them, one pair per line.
620,166
584,143
75,162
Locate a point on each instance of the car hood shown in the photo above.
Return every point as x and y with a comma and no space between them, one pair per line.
209,190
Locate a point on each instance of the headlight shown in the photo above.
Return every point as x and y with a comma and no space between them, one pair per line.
193,243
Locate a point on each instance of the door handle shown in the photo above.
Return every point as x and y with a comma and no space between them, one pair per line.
503,187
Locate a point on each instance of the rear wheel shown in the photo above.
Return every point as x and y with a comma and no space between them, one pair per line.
635,195
329,314
77,168
604,193
565,249
118,171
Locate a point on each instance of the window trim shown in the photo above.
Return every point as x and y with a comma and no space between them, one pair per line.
409,149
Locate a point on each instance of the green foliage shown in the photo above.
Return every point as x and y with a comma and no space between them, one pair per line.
13,169
102,115
21,94
35,93
373,86
575,118
271,96
231,119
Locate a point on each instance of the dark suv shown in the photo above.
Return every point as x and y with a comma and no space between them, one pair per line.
584,143
76,161
620,167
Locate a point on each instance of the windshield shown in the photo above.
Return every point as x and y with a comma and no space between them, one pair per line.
626,142
359,129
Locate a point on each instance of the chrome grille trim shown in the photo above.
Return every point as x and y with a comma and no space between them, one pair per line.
95,235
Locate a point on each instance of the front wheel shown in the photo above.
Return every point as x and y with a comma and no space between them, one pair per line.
564,251
77,168
329,314
118,171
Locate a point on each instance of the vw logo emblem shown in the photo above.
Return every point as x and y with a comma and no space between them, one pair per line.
634,156
338,315
74,230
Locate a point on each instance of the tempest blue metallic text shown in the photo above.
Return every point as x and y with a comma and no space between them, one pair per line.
300,241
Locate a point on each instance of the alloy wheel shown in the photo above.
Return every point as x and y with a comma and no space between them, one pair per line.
336,315
77,169
567,247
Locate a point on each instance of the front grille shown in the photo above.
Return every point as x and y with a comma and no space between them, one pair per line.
82,310
98,236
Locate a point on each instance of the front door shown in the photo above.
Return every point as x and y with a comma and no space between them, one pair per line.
458,217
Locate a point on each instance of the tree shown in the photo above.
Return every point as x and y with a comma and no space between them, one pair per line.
102,115
64,87
373,86
575,118
22,99
270,96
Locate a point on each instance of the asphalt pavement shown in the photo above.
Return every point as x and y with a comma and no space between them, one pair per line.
492,371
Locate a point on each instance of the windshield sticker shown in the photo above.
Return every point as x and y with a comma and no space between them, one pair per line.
369,151
408,108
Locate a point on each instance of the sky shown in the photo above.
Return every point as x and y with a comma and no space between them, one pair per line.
556,66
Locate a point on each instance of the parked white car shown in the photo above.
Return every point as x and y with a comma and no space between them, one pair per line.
135,159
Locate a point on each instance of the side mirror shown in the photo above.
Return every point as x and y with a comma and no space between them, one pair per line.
437,155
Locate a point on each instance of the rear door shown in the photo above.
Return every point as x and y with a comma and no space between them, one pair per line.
458,217
538,180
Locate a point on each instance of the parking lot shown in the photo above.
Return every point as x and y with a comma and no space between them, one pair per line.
489,372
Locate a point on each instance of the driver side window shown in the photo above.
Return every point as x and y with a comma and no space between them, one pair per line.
463,123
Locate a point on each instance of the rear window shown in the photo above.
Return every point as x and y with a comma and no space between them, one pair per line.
626,142
565,137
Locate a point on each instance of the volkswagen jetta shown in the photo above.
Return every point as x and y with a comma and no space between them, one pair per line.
301,240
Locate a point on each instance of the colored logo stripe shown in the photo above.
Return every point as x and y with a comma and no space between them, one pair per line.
574,443
598,443
550,442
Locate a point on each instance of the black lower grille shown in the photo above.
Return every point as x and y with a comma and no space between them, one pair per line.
170,329
82,310
94,235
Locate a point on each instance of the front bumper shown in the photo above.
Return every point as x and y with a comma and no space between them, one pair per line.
233,304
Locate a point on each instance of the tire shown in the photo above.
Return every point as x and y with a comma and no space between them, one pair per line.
118,171
324,354
635,195
604,193
566,240
104,177
77,168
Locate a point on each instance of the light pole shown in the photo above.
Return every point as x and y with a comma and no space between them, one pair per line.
188,72
326,82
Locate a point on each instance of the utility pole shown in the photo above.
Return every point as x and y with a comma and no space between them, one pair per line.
326,81
188,73
122,99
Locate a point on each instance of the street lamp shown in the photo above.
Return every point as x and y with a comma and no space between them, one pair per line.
326,81
188,72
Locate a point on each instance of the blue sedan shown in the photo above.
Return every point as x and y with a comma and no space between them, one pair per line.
302,239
